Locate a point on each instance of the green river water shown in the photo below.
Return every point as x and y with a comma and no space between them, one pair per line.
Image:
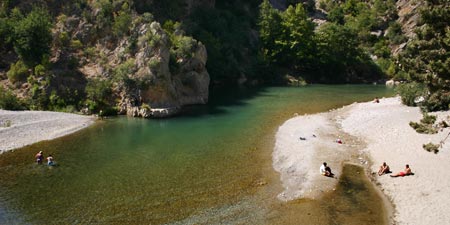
211,165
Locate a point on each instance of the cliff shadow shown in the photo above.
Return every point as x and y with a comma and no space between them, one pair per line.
220,98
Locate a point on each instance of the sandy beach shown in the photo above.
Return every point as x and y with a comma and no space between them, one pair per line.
372,133
21,128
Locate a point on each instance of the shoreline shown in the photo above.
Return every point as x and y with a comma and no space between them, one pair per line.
371,133
22,128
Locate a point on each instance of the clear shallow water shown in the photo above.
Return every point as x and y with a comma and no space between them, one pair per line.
211,165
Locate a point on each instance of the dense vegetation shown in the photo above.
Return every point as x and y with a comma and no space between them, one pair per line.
338,51
43,49
349,41
427,59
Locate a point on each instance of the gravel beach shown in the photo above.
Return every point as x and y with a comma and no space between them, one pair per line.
21,128
372,133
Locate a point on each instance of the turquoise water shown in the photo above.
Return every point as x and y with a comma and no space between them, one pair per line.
210,165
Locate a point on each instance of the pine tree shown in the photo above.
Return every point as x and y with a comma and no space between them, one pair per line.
427,58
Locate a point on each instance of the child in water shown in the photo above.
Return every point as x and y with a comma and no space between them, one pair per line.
50,161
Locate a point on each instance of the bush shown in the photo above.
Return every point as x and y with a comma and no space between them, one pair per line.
426,125
76,44
17,72
439,100
411,92
98,92
431,147
32,36
39,70
122,21
9,101
428,119
183,46
394,33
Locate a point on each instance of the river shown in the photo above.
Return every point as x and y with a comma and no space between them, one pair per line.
210,165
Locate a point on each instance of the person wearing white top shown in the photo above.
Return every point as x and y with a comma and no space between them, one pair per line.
326,170
322,168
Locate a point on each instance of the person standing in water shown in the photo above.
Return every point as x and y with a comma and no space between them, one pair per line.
39,157
50,161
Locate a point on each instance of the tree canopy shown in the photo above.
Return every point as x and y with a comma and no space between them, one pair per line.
427,57
32,35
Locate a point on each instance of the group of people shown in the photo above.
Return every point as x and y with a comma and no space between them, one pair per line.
40,158
325,170
384,169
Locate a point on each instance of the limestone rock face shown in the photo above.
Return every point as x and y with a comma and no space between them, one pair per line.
149,77
162,88
408,17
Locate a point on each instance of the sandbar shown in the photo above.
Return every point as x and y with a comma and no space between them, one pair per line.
22,128
372,133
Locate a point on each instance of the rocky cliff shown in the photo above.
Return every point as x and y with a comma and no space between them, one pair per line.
145,70
150,88
408,17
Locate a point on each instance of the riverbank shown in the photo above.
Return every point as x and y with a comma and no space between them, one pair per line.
21,128
372,133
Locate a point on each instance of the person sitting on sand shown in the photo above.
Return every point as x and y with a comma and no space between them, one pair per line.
326,170
39,157
50,161
376,100
383,169
406,172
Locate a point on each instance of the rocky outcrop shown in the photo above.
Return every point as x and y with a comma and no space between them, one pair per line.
408,17
151,75
164,90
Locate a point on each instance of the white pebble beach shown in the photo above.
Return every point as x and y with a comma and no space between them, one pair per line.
22,128
372,133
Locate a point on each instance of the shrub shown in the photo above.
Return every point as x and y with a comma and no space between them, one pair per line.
438,100
122,21
90,52
17,72
76,44
183,46
9,101
97,92
431,147
426,125
146,106
428,119
147,17
154,63
410,92
39,70
394,33
32,36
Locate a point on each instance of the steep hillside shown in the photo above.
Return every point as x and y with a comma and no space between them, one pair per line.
103,56
137,57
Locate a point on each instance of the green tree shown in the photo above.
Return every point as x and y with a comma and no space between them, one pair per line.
427,58
336,15
336,50
122,21
32,36
297,38
8,100
269,30
98,92
287,38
